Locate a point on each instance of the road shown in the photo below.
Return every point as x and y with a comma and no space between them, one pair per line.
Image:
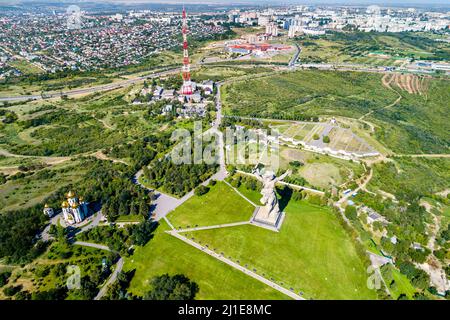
113,277
164,203
295,57
236,266
92,89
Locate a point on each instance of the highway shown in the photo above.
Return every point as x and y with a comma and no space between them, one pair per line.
93,89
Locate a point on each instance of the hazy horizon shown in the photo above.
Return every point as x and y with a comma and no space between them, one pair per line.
246,2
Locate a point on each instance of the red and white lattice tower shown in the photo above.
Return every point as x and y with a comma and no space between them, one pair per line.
186,89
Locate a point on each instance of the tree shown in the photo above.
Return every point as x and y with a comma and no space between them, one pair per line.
326,139
178,287
4,276
201,190
58,293
351,213
316,136
143,232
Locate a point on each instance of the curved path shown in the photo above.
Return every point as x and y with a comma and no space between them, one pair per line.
113,277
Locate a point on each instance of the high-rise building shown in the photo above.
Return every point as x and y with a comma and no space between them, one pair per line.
272,29
186,89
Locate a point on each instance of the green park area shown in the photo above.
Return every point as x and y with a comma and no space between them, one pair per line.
398,283
415,124
26,67
216,280
311,253
409,178
24,190
220,73
374,49
220,205
316,170
307,93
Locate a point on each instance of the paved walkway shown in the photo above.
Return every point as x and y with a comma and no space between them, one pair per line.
239,193
248,272
92,245
226,225
113,277
169,223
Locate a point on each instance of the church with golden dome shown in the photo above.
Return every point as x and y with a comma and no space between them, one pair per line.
74,209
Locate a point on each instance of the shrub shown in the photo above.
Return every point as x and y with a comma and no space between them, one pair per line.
201,190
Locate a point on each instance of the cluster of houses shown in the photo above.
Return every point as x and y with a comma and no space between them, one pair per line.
194,105
102,41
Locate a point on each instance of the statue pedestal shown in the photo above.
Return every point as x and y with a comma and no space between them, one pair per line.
272,222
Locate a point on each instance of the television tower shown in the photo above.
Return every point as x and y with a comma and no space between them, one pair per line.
186,89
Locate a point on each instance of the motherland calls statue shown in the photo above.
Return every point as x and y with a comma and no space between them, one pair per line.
271,209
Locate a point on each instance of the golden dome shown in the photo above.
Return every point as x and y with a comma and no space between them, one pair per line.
74,205
81,199
46,206
71,194
65,204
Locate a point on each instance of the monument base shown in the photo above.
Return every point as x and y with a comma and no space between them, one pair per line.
272,222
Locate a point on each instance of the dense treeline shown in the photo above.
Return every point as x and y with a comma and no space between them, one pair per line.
417,177
18,231
112,185
7,116
177,287
118,290
177,179
121,239
105,182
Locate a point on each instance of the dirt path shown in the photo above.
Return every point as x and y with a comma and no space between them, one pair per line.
386,81
437,155
100,155
47,160
106,125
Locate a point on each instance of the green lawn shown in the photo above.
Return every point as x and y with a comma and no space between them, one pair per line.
311,253
397,282
130,218
220,205
417,123
253,195
216,280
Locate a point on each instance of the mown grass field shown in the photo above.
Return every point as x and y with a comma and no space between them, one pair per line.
220,205
397,282
216,280
311,253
